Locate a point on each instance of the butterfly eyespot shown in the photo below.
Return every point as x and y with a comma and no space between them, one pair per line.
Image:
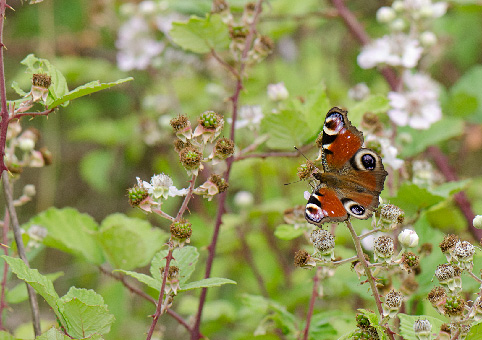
355,209
333,124
365,159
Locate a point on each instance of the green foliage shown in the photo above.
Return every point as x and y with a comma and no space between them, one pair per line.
81,312
287,232
201,35
407,321
475,332
185,259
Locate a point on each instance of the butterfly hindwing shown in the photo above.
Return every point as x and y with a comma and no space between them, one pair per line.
352,177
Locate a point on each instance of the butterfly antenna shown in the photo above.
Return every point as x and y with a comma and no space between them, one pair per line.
293,182
301,153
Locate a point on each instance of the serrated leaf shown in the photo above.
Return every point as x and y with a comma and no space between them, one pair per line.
58,87
374,104
146,279
468,87
411,198
53,334
285,129
40,283
206,283
287,232
185,259
373,318
93,86
407,322
200,35
85,313
129,242
449,188
440,131
19,293
70,231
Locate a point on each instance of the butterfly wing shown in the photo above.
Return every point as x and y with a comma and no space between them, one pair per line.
352,177
340,140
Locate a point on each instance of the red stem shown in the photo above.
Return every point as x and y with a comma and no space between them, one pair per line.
33,114
3,93
3,304
195,334
314,295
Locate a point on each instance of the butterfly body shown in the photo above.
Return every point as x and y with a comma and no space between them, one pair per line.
352,177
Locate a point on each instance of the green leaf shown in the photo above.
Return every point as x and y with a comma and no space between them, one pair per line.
467,87
95,169
475,332
411,198
146,279
6,336
206,283
449,188
53,334
93,86
58,88
41,284
70,231
314,109
286,129
17,89
287,232
85,313
407,322
19,293
373,318
375,104
129,242
185,259
440,131
200,35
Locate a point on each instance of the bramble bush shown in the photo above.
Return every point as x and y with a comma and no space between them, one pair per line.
174,174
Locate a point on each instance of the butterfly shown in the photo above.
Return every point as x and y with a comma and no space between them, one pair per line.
351,178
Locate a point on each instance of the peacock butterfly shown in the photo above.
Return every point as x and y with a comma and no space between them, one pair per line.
351,177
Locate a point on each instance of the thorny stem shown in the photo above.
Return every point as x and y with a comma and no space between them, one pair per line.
351,259
3,92
370,279
314,295
3,304
169,257
17,234
195,335
32,114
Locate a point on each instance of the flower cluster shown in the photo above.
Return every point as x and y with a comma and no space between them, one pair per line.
416,103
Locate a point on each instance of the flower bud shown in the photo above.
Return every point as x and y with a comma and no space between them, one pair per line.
209,127
304,260
223,148
182,127
29,190
172,280
408,238
324,243
383,249
213,186
447,246
477,222
463,253
385,14
423,329
393,302
181,232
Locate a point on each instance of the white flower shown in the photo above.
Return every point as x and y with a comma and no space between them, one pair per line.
389,154
277,92
408,238
428,38
418,105
395,50
425,8
248,116
137,48
385,14
159,186
173,191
